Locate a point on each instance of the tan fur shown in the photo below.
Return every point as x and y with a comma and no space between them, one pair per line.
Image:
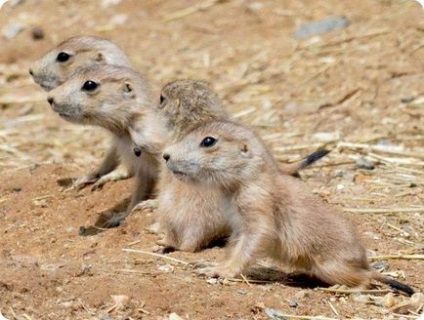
120,104
271,215
85,52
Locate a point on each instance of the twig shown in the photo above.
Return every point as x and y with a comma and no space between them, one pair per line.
245,279
399,256
298,147
397,161
405,316
250,280
333,309
292,316
190,10
133,243
134,271
377,148
158,255
397,229
349,291
388,210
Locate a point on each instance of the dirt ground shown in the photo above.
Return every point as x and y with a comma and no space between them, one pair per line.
360,89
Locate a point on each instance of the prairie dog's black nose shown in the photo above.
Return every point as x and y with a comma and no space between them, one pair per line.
166,156
50,100
31,72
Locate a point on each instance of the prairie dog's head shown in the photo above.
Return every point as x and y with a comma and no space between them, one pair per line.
108,96
186,104
73,56
220,153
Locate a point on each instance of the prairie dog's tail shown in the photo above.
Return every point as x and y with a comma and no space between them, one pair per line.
393,283
293,168
312,158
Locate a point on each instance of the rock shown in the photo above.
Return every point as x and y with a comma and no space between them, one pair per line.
166,268
174,316
275,314
109,3
11,30
320,27
327,136
381,265
407,99
362,163
119,301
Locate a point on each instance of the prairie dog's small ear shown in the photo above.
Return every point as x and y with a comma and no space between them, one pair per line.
100,57
128,89
245,151
177,102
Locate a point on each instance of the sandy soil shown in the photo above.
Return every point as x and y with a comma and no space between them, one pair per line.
359,89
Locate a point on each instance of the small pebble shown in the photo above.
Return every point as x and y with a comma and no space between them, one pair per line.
293,303
365,164
37,33
242,292
407,99
274,314
212,281
174,316
381,265
321,27
166,268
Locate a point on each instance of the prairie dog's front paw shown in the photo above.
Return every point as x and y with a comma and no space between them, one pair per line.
210,272
82,182
216,271
151,204
119,174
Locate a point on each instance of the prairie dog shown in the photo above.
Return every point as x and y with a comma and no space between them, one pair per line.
116,99
271,215
191,216
69,58
72,56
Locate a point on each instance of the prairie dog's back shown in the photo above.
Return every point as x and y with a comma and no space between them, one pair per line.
74,55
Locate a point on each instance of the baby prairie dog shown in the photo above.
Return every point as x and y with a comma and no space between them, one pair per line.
116,99
73,56
190,216
69,58
271,215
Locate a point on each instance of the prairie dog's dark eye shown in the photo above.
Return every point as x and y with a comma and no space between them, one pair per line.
137,151
162,99
208,142
63,57
89,86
